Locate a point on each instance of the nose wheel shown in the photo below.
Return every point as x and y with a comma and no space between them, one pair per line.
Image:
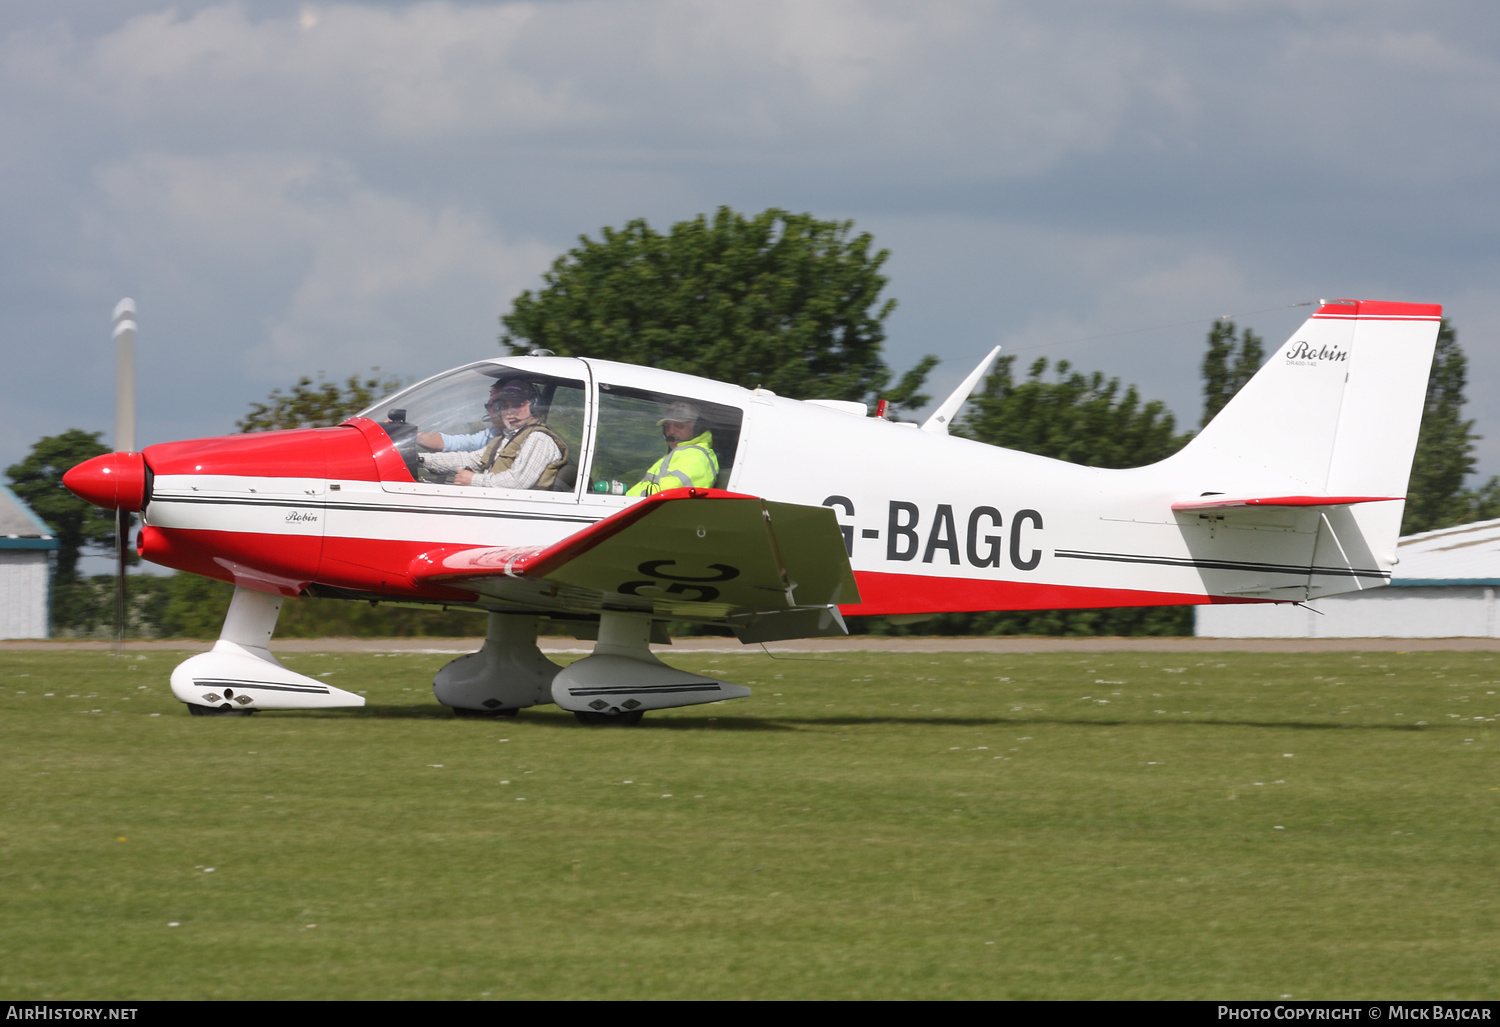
627,719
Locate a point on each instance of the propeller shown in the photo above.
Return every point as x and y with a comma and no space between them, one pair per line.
124,443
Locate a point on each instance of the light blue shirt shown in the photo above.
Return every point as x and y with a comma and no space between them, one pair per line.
467,443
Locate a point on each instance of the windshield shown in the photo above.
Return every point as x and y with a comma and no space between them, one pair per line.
453,402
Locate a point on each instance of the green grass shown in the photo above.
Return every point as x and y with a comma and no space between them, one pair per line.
954,826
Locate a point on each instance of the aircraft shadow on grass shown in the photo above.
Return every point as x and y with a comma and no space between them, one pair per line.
1022,722
563,719
549,719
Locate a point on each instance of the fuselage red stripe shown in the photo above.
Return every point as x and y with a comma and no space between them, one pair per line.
883,592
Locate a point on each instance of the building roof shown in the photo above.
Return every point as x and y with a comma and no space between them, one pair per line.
1466,554
19,527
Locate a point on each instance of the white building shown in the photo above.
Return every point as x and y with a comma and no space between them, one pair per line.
1443,587
25,541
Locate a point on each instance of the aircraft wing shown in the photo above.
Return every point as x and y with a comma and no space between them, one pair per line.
768,570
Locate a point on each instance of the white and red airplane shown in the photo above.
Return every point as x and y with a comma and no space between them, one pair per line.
1294,491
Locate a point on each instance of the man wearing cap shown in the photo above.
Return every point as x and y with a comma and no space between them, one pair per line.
522,452
690,458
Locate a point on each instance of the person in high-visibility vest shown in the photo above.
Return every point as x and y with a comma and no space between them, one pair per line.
690,458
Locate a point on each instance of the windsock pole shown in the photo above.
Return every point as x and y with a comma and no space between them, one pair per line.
124,443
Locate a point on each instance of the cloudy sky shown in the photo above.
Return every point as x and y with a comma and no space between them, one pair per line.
290,188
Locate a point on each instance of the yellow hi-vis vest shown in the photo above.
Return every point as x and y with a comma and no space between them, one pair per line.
688,463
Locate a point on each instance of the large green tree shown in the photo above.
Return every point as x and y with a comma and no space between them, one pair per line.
784,301
1228,365
74,522
314,404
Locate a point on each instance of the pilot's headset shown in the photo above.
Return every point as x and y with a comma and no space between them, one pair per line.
520,389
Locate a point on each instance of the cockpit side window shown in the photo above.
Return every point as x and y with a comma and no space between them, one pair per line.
650,441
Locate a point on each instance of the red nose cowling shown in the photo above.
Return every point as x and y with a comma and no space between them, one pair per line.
115,481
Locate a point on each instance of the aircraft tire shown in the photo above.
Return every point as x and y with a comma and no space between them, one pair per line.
466,714
630,719
216,711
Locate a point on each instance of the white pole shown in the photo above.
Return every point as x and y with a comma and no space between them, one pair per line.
125,376
124,443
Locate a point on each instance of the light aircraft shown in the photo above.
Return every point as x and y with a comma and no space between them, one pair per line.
1294,491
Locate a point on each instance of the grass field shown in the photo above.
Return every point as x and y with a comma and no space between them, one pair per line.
952,826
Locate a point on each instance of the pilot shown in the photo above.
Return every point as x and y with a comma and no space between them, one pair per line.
690,458
522,452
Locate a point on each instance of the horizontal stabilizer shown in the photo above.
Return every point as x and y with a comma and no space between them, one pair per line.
1214,501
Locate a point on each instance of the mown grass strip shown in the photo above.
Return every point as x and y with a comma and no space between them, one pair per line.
964,826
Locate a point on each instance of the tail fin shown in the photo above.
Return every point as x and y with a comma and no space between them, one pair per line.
1328,427
1334,412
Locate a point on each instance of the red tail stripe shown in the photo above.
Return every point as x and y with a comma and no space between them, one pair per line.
1380,310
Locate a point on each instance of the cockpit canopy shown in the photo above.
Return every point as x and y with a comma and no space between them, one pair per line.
615,435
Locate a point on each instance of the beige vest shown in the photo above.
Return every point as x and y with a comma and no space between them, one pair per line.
498,458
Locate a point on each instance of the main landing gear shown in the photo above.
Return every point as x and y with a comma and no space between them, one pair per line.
613,687
225,710
622,679
630,719
508,674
